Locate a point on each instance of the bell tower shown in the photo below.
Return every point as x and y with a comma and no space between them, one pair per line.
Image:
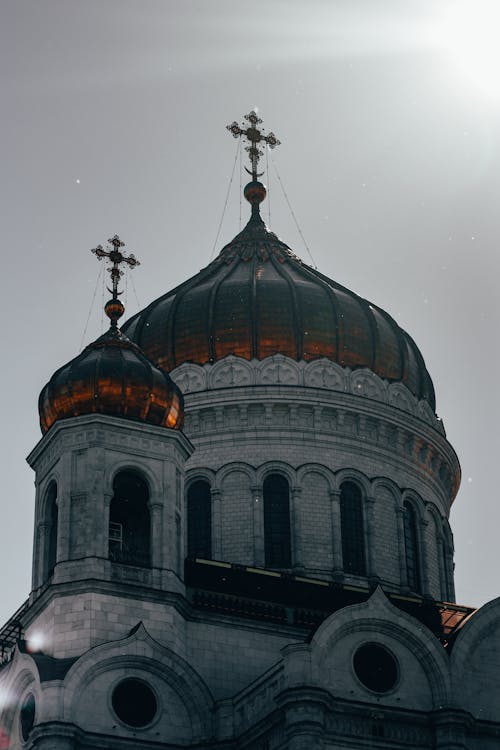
109,476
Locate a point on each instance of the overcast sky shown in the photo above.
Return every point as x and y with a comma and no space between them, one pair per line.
113,120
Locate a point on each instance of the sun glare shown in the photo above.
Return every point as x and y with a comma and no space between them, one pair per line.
36,642
468,31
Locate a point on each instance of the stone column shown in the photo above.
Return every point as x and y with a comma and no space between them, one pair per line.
215,494
156,524
296,529
259,553
63,525
443,578
424,557
449,571
338,566
403,577
63,500
370,527
103,531
40,560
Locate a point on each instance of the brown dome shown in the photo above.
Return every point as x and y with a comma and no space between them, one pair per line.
257,299
111,376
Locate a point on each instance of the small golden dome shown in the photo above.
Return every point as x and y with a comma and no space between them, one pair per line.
112,376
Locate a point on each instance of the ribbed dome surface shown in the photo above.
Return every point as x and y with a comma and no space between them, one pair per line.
111,376
257,299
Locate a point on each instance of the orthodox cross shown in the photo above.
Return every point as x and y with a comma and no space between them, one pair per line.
116,258
255,136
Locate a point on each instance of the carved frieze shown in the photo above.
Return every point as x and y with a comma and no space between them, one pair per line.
234,371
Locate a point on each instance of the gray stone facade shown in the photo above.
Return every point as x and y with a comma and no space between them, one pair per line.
233,652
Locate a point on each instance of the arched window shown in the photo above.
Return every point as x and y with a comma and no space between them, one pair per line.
353,536
199,520
411,548
129,521
277,546
52,516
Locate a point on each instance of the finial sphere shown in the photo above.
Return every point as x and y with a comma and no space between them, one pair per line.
255,192
114,309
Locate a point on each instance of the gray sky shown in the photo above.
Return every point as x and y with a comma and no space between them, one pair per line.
113,120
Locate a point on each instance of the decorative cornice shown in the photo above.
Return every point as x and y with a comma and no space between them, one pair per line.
232,372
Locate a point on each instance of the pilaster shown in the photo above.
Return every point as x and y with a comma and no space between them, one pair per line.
338,566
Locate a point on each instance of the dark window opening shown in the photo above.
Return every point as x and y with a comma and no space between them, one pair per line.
27,716
199,520
277,544
129,521
52,516
134,702
376,668
352,527
411,548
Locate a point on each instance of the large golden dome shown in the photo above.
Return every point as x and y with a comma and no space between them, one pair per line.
257,298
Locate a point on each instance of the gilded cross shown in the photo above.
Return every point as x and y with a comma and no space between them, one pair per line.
116,257
255,136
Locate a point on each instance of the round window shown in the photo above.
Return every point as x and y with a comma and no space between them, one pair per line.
134,702
27,716
375,667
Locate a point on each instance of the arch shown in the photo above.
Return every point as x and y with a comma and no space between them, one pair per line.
277,369
193,475
391,487
323,373
139,652
365,382
230,468
229,372
276,467
379,616
189,377
277,533
199,519
43,490
353,475
51,523
144,472
418,504
129,520
25,679
475,664
352,528
401,398
413,558
325,472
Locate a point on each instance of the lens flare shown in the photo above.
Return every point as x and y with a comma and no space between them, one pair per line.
468,32
36,641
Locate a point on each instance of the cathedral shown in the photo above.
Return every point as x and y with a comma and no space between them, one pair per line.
241,527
